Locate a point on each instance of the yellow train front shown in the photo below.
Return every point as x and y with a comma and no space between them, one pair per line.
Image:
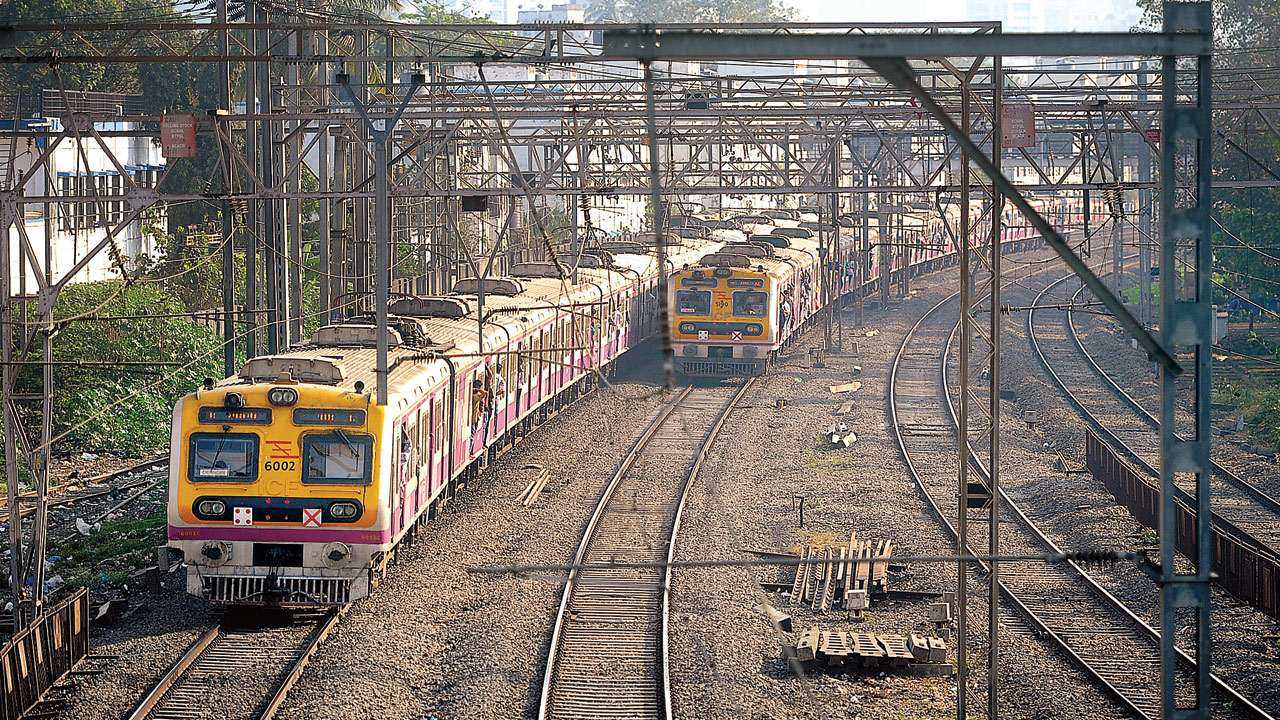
733,310
272,494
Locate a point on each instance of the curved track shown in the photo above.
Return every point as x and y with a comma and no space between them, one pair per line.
1103,636
608,654
1242,508
221,675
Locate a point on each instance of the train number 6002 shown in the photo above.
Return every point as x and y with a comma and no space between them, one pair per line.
279,465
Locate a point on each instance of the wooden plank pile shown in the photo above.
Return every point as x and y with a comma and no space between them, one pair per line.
838,648
843,576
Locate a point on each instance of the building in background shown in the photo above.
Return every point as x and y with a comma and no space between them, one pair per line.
80,168
1056,15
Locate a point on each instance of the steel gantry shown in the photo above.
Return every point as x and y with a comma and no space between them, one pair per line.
1185,243
374,157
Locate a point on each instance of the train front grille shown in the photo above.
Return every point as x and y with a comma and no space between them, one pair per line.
722,368
255,589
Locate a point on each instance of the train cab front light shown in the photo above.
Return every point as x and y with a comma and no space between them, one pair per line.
283,396
344,510
210,509
688,328
233,400
755,330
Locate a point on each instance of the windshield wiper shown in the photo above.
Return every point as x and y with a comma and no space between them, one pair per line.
343,437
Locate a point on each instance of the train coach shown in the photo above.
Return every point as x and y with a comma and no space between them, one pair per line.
732,310
290,485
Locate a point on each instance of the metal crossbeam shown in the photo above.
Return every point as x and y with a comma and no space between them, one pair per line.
685,45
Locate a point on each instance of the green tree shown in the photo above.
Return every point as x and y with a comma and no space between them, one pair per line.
31,79
1247,245
85,404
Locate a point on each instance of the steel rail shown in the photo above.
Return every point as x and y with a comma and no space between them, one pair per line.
628,461
154,704
152,699
1257,493
556,653
689,479
281,691
72,498
1022,605
918,480
1112,437
1111,599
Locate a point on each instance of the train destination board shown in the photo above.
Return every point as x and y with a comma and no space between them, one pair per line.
235,416
323,416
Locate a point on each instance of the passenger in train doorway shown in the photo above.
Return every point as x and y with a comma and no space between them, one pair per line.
481,390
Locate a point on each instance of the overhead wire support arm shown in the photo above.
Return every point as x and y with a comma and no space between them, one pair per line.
898,72
381,134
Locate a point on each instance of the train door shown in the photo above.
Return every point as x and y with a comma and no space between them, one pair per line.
439,441
404,463
422,470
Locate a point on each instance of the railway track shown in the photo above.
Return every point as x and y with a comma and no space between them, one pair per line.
1106,639
237,670
608,652
138,475
1248,512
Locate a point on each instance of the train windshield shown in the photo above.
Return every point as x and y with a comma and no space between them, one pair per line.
693,302
229,457
336,458
750,303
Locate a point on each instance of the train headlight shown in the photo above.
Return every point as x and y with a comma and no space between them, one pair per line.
233,400
688,328
690,349
336,552
282,396
216,552
754,329
210,509
344,511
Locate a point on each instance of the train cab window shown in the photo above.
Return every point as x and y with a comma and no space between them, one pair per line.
336,458
750,303
223,457
693,302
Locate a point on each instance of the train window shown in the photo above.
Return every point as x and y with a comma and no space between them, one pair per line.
439,442
749,303
223,457
336,458
424,432
522,362
693,302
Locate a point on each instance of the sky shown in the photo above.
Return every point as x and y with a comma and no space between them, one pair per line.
1049,15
